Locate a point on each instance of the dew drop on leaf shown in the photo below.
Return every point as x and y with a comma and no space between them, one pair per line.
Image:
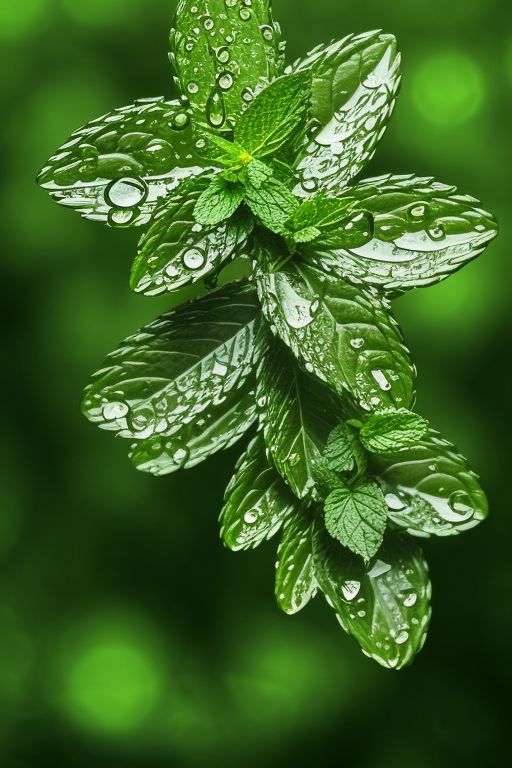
126,192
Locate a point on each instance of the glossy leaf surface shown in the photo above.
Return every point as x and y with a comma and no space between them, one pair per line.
385,607
256,503
392,430
422,231
296,584
345,335
430,489
221,51
356,516
355,82
297,413
179,366
118,166
176,250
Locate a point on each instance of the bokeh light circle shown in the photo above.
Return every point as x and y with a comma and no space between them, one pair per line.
448,88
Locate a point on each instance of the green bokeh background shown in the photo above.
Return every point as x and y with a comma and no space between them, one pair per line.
128,635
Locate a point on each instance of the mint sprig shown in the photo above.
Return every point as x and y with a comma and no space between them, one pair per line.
256,161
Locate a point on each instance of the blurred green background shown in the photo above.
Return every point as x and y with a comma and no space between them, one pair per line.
128,635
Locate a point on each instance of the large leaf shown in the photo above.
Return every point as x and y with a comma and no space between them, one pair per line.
296,584
257,501
220,51
297,414
344,334
385,607
357,516
179,366
430,489
218,427
355,82
176,250
423,230
118,166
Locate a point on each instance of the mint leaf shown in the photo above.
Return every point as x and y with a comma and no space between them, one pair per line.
177,251
322,212
295,573
256,503
297,413
178,366
422,231
385,607
306,235
272,203
274,114
430,489
354,87
118,166
361,352
392,430
216,428
357,517
343,451
220,52
257,173
218,202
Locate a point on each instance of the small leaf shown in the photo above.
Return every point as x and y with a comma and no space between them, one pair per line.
430,489
116,168
387,431
354,87
215,429
268,122
257,173
272,204
343,451
322,212
306,235
344,334
422,231
218,202
176,250
385,607
257,502
221,52
357,517
178,366
297,413
295,574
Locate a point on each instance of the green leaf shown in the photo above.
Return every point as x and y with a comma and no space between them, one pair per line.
256,503
354,87
344,334
322,212
117,167
221,52
218,202
268,122
257,173
295,573
343,451
385,607
357,517
172,371
272,203
216,428
306,235
430,489
387,431
422,231
176,250
297,413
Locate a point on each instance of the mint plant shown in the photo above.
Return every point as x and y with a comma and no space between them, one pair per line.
256,162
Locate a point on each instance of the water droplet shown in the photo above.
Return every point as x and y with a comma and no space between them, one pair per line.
223,54
192,87
219,369
126,193
350,589
381,380
194,259
417,211
437,232
247,95
357,343
180,121
208,24
267,32
230,3
410,600
225,81
250,517
460,503
113,411
215,109
394,502
245,14
117,217
402,637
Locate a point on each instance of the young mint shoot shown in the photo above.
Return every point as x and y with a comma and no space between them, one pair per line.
305,359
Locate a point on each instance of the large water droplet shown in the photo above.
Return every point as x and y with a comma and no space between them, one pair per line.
350,589
113,411
194,259
437,232
225,81
126,193
215,109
